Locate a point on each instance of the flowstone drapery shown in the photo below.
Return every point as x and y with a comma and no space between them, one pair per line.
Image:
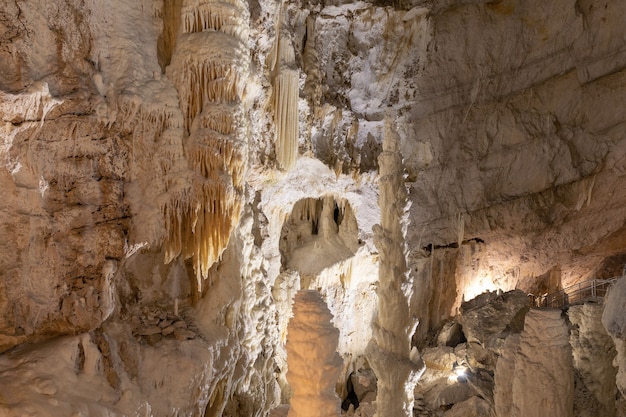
397,366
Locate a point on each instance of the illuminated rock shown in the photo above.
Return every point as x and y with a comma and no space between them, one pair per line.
614,320
490,317
314,365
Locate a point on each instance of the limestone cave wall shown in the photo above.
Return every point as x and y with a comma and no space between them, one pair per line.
173,172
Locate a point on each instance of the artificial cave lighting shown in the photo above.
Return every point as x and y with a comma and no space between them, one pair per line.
478,284
459,373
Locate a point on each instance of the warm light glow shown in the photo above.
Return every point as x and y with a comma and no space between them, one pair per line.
477,286
458,374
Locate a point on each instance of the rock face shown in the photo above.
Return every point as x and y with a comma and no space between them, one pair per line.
613,319
162,163
593,353
473,407
510,98
489,318
534,375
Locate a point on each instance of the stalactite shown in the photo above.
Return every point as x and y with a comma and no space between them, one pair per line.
139,117
209,68
221,16
313,83
397,366
286,118
285,99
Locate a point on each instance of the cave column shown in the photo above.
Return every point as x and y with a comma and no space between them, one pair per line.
396,365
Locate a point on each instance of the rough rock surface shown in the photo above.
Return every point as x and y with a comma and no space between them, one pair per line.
512,151
116,142
314,364
593,352
614,321
451,334
472,407
535,376
489,318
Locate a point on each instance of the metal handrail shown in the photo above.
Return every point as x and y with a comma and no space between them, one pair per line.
591,290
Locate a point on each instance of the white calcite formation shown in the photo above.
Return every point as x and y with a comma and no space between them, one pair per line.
314,364
397,366
281,62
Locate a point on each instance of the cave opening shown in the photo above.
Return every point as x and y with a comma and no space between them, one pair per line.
319,233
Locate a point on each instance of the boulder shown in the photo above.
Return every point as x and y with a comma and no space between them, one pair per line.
364,384
472,407
450,335
490,317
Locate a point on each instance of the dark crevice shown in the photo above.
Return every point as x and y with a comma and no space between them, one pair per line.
454,245
351,398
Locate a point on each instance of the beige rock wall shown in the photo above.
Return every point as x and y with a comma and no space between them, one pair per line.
534,375
613,319
593,353
63,215
516,115
511,129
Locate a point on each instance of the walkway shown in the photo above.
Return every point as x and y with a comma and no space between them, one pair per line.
593,290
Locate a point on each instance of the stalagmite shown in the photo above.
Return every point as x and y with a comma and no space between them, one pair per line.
314,364
534,375
397,366
285,100
209,68
614,321
593,352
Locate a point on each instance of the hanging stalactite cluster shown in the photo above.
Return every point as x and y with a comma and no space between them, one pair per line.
209,68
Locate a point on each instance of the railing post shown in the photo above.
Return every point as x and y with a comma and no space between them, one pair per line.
593,289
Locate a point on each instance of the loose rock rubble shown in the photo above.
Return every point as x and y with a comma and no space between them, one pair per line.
154,325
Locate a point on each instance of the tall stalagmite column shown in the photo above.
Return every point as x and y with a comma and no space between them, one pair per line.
314,364
397,367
